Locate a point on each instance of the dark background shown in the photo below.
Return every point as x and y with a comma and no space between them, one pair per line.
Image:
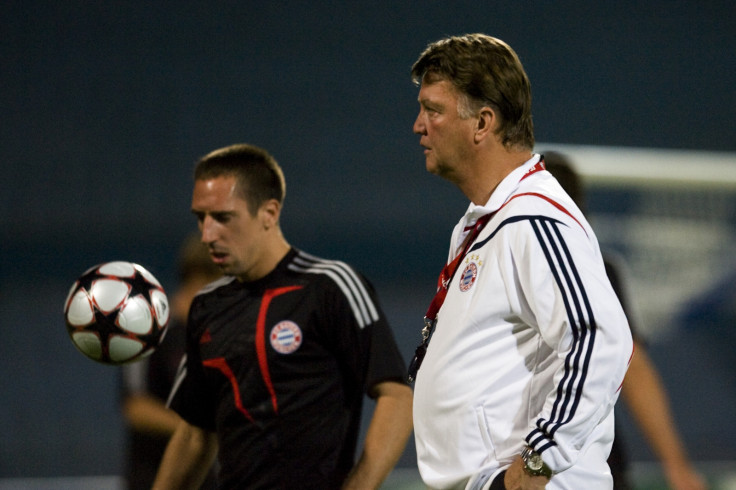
106,105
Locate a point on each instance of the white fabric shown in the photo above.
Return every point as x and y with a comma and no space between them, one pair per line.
538,336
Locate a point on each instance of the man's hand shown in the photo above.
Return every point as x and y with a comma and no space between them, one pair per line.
517,479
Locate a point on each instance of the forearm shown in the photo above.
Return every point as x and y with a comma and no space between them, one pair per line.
144,413
385,439
188,458
516,479
648,403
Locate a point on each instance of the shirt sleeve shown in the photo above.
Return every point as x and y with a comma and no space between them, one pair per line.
189,396
618,275
576,313
362,337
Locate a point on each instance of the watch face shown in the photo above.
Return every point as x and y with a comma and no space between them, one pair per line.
535,462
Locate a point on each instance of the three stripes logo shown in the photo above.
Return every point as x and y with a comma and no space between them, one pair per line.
347,280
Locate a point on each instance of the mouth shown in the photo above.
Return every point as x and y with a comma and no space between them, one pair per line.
217,257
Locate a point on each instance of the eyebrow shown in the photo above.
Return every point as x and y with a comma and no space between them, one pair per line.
198,213
427,102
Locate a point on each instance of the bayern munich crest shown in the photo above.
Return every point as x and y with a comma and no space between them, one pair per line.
286,337
470,273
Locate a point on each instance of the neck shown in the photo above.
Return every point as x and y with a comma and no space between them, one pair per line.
489,172
273,251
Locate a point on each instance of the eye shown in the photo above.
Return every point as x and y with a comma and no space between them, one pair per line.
221,217
431,110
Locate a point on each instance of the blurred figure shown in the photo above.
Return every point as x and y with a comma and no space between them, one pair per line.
146,384
642,390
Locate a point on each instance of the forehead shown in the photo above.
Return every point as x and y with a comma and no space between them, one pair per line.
215,193
437,91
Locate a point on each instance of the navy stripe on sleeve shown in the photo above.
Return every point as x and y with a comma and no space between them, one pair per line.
583,326
580,318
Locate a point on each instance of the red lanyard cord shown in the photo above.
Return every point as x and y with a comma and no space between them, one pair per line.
443,283
448,272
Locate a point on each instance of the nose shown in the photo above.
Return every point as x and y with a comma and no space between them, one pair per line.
207,229
419,127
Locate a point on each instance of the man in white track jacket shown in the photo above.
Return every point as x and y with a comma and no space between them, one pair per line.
526,343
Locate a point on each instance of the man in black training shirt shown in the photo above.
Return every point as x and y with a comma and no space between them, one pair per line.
279,352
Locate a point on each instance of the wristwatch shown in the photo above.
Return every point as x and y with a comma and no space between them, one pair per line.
534,465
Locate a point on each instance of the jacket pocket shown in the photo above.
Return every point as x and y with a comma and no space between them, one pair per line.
485,433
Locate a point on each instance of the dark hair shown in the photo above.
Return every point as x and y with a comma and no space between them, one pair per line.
258,175
489,73
195,261
560,167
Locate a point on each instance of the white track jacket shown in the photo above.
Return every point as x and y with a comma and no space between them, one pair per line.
531,345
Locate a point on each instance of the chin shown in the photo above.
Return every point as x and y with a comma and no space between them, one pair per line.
435,169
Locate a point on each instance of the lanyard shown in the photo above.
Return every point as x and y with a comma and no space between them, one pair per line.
443,283
448,272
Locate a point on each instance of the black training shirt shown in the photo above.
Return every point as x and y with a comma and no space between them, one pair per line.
278,368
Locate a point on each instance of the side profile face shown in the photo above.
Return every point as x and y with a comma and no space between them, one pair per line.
236,239
446,137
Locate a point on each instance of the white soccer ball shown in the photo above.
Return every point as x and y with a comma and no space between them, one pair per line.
116,312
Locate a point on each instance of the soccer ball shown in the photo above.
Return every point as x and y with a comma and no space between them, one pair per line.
116,312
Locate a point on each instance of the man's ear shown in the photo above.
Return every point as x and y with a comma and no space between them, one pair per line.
269,213
486,123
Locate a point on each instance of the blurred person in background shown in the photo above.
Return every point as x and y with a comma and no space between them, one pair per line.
643,391
147,383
